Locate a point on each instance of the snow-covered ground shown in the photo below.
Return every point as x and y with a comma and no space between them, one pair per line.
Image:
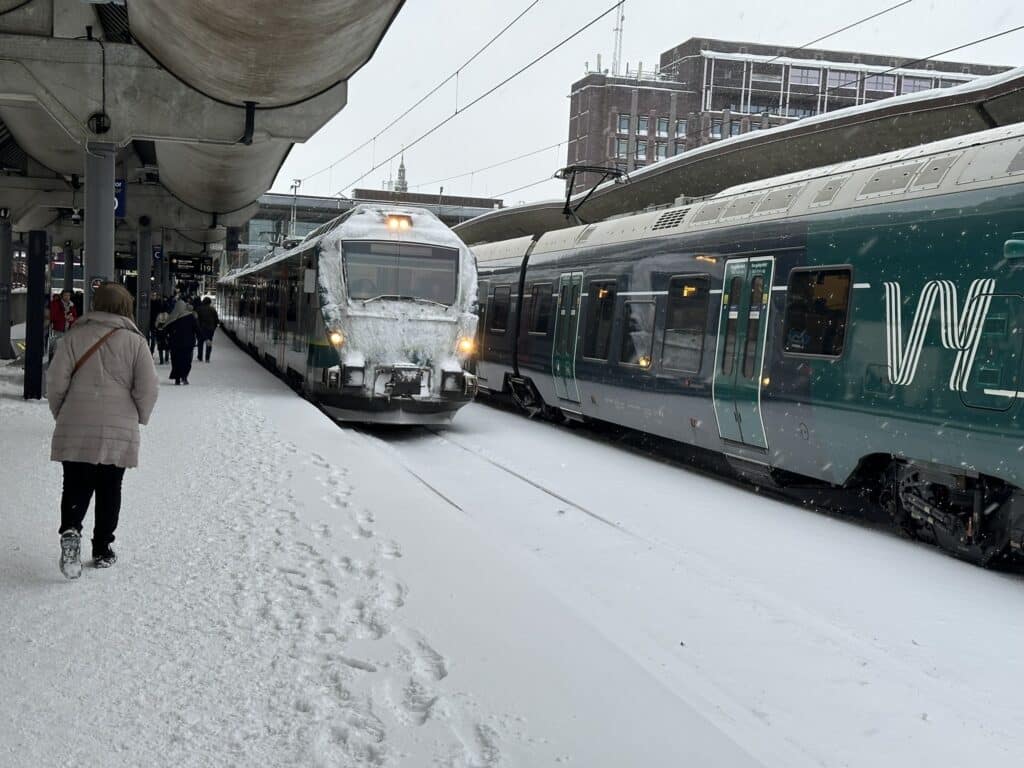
501,593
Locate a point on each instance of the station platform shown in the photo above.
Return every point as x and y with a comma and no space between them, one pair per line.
287,593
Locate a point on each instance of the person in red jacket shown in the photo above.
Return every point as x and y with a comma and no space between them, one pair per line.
63,315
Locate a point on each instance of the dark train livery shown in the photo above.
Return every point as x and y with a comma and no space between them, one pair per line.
854,326
371,315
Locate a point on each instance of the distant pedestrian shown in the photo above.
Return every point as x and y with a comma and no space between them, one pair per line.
156,306
100,386
182,332
160,333
208,322
63,315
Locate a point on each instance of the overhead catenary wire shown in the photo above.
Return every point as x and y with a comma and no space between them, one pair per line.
489,167
484,95
454,75
525,186
915,62
841,29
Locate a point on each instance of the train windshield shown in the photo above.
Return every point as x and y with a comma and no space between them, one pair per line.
401,271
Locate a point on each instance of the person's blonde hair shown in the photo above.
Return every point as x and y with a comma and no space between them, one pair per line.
113,298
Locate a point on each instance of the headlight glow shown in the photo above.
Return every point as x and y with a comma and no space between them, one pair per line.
337,338
466,345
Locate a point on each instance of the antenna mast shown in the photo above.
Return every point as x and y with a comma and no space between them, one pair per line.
620,20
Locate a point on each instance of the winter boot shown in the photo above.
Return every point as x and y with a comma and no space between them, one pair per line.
104,559
70,549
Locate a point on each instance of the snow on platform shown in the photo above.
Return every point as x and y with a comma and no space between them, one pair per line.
288,593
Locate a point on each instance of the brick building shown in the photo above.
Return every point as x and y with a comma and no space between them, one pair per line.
705,90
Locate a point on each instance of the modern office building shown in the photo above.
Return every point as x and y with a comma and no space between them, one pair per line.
705,90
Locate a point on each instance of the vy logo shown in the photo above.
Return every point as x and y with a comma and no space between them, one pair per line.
960,327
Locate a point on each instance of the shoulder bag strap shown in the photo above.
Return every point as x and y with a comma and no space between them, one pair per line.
92,350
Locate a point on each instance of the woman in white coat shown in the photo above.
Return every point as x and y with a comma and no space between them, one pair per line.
101,386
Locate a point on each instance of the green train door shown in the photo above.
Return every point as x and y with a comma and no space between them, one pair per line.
739,359
567,323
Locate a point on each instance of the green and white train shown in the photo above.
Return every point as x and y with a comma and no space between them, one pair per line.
857,326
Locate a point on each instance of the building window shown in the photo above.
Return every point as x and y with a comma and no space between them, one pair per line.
838,78
540,308
804,76
886,83
816,307
624,121
915,84
600,315
500,309
801,111
641,126
641,150
685,321
680,129
660,150
734,128
637,333
947,83
680,147
662,127
622,148
716,129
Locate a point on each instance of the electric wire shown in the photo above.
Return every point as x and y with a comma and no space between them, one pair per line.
906,64
15,8
525,186
485,94
841,29
428,94
489,167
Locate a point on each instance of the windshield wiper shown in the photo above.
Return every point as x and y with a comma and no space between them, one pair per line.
398,297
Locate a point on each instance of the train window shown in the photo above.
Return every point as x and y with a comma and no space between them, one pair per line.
540,308
754,311
500,303
817,302
600,315
731,323
637,333
685,323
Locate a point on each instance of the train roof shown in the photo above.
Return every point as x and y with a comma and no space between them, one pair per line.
367,221
987,158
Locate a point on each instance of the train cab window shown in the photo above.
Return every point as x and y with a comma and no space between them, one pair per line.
817,304
637,333
600,315
685,324
754,311
500,303
541,308
731,324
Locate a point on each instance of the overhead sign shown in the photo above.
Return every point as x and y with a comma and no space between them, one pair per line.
192,265
158,252
120,193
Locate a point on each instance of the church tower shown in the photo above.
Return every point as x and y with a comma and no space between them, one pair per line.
401,185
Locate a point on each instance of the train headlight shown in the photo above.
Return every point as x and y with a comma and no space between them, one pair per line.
465,346
337,338
396,221
644,361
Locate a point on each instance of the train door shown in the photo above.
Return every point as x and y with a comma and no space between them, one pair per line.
483,292
739,359
993,381
567,323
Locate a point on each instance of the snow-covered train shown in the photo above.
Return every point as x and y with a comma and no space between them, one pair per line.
855,328
371,316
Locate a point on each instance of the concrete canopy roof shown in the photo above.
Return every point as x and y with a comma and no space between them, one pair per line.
832,137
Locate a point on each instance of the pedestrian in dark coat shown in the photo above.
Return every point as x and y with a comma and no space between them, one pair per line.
208,322
156,306
182,332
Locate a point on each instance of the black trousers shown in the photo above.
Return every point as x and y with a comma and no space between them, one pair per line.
205,342
81,481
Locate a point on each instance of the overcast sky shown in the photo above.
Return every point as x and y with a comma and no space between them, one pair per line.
431,38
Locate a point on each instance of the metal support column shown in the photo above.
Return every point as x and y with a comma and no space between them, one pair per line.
6,278
99,216
35,307
144,284
69,267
